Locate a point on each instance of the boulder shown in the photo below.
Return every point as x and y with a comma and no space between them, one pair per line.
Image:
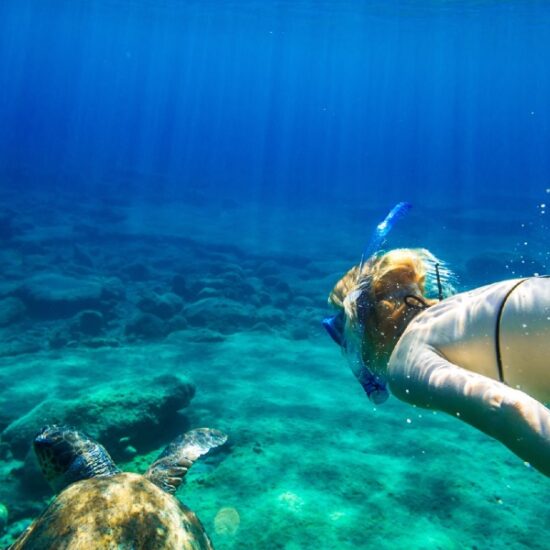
137,272
179,285
133,409
178,322
146,325
272,316
52,296
269,267
164,306
223,315
11,310
89,322
20,344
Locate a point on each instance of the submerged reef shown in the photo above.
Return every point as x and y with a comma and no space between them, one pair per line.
81,307
108,325
120,413
66,287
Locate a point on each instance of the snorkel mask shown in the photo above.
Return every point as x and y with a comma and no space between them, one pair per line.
375,387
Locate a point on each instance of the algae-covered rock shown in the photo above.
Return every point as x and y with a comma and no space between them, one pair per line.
134,408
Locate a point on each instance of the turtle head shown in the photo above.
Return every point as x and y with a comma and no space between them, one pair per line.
66,455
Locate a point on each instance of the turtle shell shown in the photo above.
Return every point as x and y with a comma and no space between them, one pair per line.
124,511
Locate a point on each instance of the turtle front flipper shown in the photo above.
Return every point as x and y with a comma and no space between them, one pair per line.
66,455
169,469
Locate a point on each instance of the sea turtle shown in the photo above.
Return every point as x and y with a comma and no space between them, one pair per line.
99,506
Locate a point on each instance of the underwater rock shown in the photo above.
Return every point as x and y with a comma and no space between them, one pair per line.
137,272
261,327
279,291
11,310
179,286
200,335
269,267
60,338
145,325
271,315
20,345
177,323
89,322
302,302
101,343
239,292
223,315
113,289
231,285
261,299
164,306
208,292
129,408
50,295
85,328
81,257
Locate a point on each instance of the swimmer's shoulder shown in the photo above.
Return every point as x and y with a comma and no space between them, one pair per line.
445,320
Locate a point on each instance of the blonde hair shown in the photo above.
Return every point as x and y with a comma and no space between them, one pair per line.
374,297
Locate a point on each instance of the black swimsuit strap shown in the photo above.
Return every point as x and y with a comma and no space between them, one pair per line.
499,317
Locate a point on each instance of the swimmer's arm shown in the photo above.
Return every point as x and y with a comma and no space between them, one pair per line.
518,421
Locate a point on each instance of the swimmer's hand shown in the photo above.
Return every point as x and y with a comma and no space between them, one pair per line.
517,420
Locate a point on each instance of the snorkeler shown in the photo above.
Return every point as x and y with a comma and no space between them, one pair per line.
482,356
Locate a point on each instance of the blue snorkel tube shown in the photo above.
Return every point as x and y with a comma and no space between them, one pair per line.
374,386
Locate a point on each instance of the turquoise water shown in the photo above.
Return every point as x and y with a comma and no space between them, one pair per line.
181,185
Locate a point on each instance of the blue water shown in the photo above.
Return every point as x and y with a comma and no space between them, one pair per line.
181,185
444,101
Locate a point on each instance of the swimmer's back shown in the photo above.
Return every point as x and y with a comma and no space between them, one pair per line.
525,338
463,329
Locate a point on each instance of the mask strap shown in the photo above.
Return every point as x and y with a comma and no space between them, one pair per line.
439,287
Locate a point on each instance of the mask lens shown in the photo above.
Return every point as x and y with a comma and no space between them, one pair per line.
335,327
